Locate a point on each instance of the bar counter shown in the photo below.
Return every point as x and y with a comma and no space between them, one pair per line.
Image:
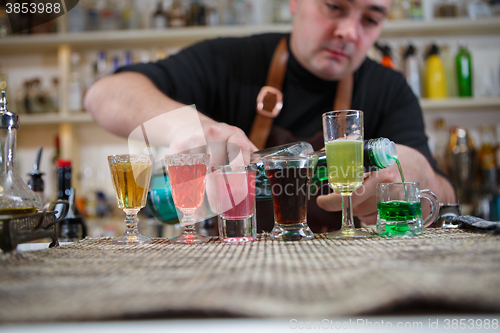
441,271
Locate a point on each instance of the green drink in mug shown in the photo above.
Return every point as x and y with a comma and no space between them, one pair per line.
398,216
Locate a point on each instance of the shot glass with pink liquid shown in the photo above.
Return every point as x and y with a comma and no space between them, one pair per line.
235,188
187,174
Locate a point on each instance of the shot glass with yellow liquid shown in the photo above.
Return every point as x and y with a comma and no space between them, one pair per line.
131,175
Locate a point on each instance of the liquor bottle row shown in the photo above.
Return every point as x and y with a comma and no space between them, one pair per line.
435,72
429,9
473,165
41,95
93,15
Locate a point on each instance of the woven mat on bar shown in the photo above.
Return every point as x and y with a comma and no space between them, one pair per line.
94,280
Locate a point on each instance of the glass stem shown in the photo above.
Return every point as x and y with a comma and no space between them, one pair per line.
188,221
131,220
347,219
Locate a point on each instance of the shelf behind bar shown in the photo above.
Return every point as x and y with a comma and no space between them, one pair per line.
455,104
184,36
460,104
54,118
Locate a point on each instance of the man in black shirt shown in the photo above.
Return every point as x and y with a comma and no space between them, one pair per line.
222,77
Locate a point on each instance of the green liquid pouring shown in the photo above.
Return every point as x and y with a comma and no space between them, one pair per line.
402,178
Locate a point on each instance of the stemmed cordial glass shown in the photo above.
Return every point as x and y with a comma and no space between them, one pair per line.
187,173
343,134
131,175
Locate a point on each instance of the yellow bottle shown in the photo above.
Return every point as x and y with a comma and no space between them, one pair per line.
435,77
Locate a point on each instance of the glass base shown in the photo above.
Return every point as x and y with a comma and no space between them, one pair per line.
291,232
128,239
237,230
190,237
348,233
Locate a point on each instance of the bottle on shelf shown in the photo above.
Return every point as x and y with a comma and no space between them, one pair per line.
386,60
442,138
115,63
487,163
36,183
411,70
53,96
4,23
435,77
101,65
159,18
73,226
77,18
450,70
397,11
91,16
16,197
464,71
281,11
446,8
75,89
460,158
196,15
211,13
416,9
176,15
127,60
130,16
36,99
109,16
488,187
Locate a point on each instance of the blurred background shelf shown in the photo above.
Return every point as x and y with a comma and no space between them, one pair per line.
189,35
460,104
428,105
55,118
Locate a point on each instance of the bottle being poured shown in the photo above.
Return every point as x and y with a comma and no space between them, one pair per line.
15,196
378,154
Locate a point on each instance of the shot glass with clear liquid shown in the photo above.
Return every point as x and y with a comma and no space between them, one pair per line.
235,189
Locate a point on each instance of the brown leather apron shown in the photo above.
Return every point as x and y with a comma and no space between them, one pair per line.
264,134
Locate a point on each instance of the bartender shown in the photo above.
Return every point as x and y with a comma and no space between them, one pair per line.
321,65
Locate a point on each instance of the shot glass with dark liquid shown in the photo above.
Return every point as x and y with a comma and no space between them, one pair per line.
290,179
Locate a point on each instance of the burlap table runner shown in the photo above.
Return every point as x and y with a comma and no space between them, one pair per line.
95,280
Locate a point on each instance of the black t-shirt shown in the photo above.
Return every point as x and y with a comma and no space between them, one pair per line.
223,77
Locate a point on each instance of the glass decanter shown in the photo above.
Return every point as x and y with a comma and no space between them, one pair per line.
15,196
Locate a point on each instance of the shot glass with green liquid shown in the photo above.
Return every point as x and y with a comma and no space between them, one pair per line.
399,212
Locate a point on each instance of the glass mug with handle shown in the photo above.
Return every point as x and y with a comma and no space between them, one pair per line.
399,211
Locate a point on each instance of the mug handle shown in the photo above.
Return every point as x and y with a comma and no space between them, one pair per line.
427,194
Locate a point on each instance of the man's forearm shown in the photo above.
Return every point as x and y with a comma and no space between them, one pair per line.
121,102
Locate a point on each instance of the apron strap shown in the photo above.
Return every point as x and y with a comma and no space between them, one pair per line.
270,98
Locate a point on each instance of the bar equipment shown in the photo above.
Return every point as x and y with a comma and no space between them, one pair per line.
15,197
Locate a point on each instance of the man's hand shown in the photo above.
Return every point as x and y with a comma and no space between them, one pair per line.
122,102
224,140
415,167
